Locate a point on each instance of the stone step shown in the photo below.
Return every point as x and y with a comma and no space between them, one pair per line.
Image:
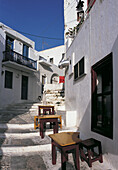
28,141
25,149
18,110
22,162
18,131
52,94
61,108
17,118
16,126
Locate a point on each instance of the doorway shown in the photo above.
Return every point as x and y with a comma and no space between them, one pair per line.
24,88
43,82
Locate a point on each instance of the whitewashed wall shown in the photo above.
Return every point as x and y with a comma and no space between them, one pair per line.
70,17
97,38
49,72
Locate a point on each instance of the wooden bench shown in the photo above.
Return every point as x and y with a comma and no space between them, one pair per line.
91,145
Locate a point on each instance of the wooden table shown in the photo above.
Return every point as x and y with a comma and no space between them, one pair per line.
65,141
37,124
46,109
49,118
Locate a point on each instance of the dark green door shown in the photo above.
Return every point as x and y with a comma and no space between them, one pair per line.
24,87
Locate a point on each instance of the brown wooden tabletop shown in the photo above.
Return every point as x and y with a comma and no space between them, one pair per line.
48,116
66,138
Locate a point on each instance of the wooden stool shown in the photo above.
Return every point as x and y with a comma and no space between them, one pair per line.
90,156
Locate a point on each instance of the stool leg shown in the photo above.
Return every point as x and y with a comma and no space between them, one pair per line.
89,158
92,152
100,153
82,154
53,153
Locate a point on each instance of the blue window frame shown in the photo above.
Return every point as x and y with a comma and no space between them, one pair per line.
25,50
9,43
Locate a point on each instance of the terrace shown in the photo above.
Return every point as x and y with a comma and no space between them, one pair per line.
14,57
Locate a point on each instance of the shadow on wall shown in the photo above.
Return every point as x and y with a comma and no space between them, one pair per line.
108,145
46,68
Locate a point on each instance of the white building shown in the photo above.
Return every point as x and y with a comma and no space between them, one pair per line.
91,80
22,71
18,82
53,55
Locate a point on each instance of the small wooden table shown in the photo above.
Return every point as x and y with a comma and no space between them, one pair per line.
45,109
49,118
37,124
65,141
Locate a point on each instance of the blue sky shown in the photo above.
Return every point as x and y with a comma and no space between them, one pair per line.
37,17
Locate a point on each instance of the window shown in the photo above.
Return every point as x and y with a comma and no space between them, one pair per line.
9,43
79,69
102,97
76,71
8,79
51,60
25,50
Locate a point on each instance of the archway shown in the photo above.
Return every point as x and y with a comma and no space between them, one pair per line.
54,79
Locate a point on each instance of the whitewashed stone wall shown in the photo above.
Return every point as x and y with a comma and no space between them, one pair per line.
97,37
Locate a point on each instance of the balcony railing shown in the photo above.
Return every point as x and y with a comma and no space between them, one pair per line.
18,58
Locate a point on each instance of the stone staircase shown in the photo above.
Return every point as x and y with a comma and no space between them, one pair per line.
55,96
17,113
21,147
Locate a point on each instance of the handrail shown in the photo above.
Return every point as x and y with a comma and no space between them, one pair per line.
18,58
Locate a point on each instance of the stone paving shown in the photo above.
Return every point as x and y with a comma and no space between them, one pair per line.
23,149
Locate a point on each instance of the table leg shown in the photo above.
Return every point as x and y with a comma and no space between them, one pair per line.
53,153
64,158
41,129
77,157
63,162
55,128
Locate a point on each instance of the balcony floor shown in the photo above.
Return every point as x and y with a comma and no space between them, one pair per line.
17,66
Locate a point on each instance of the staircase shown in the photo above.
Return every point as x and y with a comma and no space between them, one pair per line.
54,94
19,113
21,147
